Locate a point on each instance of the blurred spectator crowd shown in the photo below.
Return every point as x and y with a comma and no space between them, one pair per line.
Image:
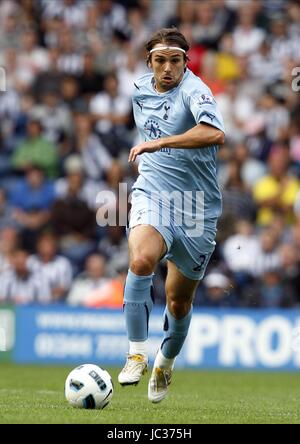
66,128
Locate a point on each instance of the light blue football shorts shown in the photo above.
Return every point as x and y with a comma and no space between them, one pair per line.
189,249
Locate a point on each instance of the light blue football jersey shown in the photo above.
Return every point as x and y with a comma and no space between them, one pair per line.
170,113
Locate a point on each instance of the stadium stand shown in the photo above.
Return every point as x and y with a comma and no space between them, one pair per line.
66,128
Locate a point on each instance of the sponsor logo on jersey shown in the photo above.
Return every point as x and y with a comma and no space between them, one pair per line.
151,127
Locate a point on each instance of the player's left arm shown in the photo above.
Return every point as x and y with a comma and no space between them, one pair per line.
201,135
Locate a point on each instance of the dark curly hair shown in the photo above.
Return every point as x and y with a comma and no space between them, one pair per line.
169,36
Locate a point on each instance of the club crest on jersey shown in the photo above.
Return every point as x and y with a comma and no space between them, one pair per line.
167,109
151,127
205,98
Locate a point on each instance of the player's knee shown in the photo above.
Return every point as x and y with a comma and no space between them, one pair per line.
142,266
179,308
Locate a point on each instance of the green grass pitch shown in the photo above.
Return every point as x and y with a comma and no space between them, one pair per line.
32,394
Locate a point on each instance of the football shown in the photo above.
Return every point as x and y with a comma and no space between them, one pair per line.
89,387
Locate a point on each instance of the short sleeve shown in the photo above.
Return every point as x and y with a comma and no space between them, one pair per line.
204,108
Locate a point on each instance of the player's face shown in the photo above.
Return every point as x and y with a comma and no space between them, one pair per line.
168,68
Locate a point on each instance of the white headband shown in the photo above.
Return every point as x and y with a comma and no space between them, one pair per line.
161,48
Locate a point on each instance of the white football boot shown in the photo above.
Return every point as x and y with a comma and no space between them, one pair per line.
135,367
158,384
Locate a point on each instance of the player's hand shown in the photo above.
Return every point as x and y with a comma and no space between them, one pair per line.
145,147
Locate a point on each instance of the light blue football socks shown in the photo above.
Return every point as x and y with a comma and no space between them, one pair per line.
138,303
176,331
